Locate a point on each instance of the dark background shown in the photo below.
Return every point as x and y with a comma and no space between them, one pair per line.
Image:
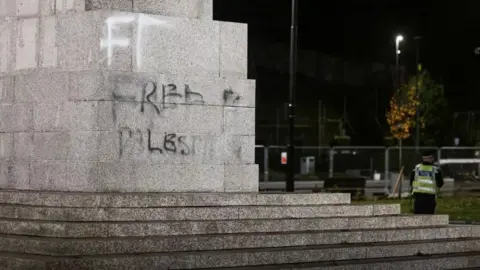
358,32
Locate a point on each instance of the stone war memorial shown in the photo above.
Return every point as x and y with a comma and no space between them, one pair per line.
127,140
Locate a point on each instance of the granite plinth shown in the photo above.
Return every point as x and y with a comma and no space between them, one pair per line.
97,131
123,41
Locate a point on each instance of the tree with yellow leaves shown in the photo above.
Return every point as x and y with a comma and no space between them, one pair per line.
428,99
402,113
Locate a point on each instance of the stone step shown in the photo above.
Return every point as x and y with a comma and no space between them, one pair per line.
193,213
128,245
66,199
250,257
464,260
164,228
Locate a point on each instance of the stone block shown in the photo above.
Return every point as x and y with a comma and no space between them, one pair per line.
176,46
6,8
399,221
171,228
185,213
69,6
14,175
6,89
27,8
125,42
440,247
62,176
16,117
42,87
460,261
160,88
241,178
386,209
304,199
160,147
36,8
118,5
233,50
23,146
239,121
73,116
309,211
78,38
99,246
7,48
154,43
240,93
97,86
238,258
47,7
48,55
201,178
239,149
125,177
6,146
58,199
67,146
26,43
195,9
190,119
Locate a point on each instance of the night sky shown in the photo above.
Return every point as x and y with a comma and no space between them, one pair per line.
365,31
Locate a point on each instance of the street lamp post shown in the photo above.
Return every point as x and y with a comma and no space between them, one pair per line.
398,39
417,86
290,185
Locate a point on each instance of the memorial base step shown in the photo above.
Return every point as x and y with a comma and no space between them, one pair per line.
56,230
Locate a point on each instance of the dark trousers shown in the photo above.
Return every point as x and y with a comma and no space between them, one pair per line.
424,204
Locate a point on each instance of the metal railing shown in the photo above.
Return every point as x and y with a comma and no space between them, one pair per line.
459,197
314,164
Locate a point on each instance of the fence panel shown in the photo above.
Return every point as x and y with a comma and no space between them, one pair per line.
312,163
464,170
411,156
260,152
358,161
276,171
365,161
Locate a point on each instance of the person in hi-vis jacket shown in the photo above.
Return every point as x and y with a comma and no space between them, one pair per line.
425,180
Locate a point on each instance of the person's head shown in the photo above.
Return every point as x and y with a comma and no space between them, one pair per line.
427,156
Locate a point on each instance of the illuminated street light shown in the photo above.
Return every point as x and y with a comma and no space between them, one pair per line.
398,39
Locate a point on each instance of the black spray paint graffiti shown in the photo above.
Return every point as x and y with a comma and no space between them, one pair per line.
171,96
168,96
169,143
149,91
230,97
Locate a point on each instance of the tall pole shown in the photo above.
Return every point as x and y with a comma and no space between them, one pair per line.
291,106
417,86
397,85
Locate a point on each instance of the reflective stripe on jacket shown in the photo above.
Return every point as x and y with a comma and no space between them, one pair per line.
424,181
